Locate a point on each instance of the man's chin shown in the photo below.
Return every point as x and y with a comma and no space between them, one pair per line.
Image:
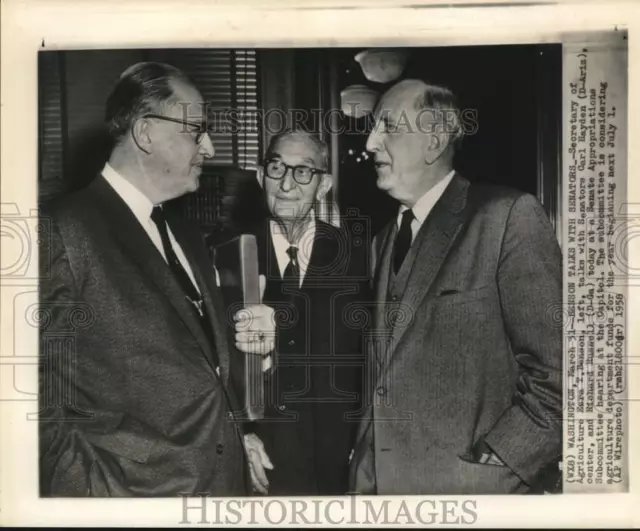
384,180
195,181
285,214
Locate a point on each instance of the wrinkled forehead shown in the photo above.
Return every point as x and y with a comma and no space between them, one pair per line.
297,149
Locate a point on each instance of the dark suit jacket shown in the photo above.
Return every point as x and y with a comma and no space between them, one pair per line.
476,359
130,402
313,395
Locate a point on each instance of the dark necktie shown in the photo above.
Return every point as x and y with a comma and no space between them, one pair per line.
292,271
192,294
157,215
403,240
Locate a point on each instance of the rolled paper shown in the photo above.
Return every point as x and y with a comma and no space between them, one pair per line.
236,262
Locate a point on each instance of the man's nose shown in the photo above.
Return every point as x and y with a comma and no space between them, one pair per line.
373,141
206,147
287,182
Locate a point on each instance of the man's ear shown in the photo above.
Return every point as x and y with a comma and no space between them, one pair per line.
438,143
325,185
141,135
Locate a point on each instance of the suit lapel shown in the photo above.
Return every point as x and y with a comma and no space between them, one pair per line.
323,254
434,240
381,275
380,343
267,261
125,228
204,276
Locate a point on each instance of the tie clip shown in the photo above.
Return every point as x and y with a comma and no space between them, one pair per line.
197,305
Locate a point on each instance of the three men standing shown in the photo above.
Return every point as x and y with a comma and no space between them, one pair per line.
466,391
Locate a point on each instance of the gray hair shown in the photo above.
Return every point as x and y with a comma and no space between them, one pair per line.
440,98
320,144
142,88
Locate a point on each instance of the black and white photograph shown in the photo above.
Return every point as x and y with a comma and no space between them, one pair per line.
404,249
288,266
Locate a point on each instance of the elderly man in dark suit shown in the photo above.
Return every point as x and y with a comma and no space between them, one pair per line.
142,404
467,390
317,282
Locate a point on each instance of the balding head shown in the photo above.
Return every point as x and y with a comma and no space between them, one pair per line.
142,88
437,106
413,139
321,158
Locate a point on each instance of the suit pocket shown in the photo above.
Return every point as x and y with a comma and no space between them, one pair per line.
129,440
450,296
481,478
470,459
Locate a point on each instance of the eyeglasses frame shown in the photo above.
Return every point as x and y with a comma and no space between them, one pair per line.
287,167
200,134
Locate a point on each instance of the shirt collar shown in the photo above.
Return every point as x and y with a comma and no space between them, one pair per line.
425,204
281,243
277,232
140,204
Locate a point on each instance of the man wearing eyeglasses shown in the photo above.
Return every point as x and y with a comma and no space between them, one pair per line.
316,281
141,403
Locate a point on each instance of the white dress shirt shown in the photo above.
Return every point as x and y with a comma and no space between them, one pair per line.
141,207
304,245
280,245
425,204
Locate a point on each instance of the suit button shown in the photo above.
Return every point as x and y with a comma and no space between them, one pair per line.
291,342
282,408
394,298
229,415
219,448
381,391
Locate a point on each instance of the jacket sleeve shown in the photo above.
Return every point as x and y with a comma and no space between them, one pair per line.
78,444
528,436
